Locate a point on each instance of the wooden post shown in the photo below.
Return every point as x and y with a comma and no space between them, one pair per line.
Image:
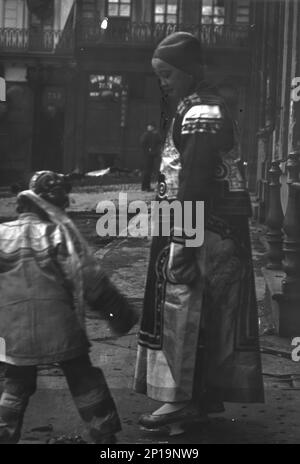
70,83
123,124
36,78
290,301
263,137
274,219
80,155
291,228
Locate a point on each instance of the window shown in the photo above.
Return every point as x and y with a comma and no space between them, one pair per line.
14,13
213,12
166,11
42,19
10,13
35,21
242,12
120,8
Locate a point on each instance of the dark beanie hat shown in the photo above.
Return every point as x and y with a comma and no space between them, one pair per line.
181,50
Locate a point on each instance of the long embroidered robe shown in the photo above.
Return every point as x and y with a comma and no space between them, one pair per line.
199,330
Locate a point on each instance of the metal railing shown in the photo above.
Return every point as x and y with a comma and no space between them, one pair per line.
127,32
30,40
118,33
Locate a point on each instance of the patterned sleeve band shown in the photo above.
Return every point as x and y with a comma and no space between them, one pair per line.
202,118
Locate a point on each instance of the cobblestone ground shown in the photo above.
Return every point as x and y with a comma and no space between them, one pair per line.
51,413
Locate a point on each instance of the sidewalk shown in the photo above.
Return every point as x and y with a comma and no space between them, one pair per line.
51,412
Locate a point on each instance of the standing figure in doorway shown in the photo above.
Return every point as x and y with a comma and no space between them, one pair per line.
151,145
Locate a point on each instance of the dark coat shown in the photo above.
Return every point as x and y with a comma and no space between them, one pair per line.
151,143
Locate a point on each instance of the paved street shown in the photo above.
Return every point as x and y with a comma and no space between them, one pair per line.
51,413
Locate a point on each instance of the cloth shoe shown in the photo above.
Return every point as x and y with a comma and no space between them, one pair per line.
186,414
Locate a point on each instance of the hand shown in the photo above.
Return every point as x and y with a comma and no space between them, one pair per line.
116,309
182,267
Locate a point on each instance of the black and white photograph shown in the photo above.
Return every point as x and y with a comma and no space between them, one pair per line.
149,224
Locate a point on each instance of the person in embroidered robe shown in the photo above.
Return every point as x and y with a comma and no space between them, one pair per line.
47,277
198,341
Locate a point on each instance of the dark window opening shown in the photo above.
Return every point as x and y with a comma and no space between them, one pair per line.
166,11
213,12
119,8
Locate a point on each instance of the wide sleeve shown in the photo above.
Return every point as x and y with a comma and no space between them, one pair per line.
60,256
200,133
99,291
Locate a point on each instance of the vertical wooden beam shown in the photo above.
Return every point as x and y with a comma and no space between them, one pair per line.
274,219
291,228
286,77
278,87
262,89
81,85
292,217
190,12
70,119
36,83
252,98
290,303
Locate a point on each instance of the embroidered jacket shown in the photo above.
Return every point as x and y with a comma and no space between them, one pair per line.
200,160
38,320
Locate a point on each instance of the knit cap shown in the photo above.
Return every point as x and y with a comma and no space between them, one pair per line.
181,50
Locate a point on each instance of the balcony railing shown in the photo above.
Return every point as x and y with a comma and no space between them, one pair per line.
27,40
118,33
126,32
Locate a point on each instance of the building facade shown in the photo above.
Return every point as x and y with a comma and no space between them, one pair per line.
275,48
118,55
36,60
79,80
274,138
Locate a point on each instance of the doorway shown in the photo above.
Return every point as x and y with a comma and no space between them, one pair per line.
103,135
49,150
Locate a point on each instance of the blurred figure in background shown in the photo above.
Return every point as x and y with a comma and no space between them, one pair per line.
151,145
